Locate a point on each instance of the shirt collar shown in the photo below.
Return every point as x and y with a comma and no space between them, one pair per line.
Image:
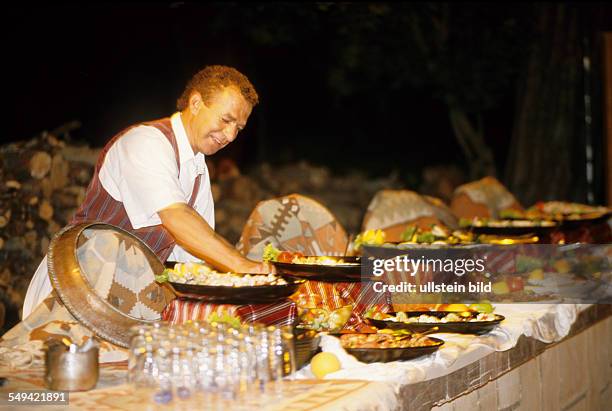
186,154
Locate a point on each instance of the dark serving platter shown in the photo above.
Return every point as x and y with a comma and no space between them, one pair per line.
348,272
370,355
587,218
306,345
460,327
515,230
260,294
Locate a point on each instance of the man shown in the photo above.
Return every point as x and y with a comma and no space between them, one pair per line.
151,179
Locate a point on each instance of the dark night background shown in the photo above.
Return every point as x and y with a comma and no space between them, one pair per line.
368,86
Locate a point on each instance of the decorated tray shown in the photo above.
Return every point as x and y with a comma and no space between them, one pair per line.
105,277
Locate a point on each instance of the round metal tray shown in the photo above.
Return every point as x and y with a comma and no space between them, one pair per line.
79,295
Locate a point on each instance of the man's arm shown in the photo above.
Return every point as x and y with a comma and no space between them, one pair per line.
194,234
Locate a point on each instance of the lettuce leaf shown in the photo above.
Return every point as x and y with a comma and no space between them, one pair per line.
270,253
163,277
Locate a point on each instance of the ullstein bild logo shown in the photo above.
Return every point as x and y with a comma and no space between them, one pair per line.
573,273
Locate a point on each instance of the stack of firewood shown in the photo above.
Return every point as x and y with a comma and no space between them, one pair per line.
43,181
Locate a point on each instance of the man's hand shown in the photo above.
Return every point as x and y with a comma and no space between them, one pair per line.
194,234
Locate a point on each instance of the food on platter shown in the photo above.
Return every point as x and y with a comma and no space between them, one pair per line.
321,319
464,322
386,339
271,253
504,223
224,318
508,239
314,268
437,234
368,237
201,274
558,211
567,209
450,317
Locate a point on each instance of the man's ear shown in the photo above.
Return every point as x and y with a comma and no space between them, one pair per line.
195,102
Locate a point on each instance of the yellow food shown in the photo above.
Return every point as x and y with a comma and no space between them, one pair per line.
562,266
500,287
482,307
456,307
537,274
324,363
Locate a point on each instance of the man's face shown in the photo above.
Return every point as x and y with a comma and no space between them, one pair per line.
217,123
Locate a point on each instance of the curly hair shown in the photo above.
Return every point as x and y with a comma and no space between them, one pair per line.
214,78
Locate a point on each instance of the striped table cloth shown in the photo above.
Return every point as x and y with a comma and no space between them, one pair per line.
181,310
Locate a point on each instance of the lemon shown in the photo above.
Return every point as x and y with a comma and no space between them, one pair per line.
456,307
482,307
324,363
562,266
500,287
537,274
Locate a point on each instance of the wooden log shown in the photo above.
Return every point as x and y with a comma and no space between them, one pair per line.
59,172
40,164
13,184
45,210
80,154
46,187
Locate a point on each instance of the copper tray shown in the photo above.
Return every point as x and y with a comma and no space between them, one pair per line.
78,295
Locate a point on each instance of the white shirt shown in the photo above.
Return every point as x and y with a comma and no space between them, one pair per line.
140,171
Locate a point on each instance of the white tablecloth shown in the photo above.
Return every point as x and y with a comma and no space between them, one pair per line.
545,322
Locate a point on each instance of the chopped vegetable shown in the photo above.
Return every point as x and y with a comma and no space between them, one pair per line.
369,237
270,253
164,276
225,318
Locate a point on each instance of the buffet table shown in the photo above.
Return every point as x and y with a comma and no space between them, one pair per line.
562,353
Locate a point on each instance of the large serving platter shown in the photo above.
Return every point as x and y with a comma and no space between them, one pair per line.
511,227
217,294
460,327
574,221
371,355
349,271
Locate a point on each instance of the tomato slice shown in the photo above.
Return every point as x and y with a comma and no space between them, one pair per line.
285,257
515,283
